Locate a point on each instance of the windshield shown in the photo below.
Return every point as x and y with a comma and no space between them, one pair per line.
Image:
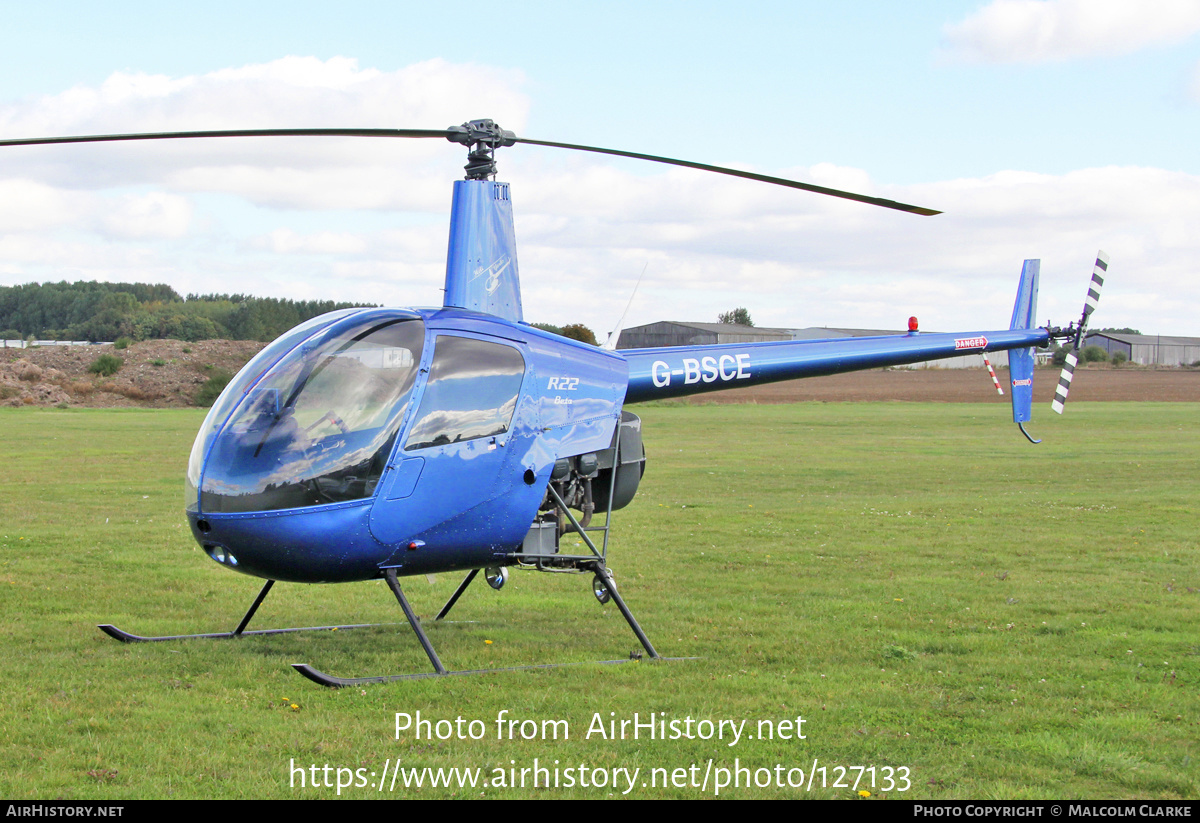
233,393
319,427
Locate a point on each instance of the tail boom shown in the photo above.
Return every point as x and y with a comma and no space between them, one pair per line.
680,371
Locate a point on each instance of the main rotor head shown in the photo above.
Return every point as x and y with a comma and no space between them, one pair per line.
482,137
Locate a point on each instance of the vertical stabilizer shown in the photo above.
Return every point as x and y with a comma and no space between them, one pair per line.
481,265
1020,361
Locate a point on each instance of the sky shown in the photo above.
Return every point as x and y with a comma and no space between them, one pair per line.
1041,128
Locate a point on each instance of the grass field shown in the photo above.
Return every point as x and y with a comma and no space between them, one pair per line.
949,609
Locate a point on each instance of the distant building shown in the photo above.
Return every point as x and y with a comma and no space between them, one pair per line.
22,344
1148,349
826,332
672,333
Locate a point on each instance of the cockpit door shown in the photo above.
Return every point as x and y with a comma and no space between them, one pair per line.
457,481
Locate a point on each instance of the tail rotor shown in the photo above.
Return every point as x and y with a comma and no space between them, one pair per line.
1076,340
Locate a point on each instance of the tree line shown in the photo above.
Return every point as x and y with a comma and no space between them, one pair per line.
104,312
139,311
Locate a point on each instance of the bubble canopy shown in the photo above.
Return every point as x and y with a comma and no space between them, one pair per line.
312,420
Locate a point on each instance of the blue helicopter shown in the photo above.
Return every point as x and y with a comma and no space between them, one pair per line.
381,443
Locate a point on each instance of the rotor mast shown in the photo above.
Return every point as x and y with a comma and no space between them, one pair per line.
481,263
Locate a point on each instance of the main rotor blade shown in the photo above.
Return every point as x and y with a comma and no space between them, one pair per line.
748,175
181,135
447,133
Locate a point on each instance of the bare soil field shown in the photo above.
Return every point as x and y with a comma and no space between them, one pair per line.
169,373
154,374
971,386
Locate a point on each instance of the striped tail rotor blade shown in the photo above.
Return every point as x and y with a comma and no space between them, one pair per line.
1093,295
1064,383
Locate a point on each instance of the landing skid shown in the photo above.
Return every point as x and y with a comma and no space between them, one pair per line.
393,582
603,578
341,682
125,637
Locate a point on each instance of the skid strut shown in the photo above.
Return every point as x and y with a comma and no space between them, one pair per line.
605,578
125,637
393,582
462,587
414,621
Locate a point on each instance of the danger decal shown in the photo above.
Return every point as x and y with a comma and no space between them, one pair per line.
961,343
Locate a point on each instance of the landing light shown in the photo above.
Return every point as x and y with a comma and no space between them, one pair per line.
221,555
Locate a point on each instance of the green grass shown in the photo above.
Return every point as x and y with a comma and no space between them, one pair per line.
106,365
213,386
920,584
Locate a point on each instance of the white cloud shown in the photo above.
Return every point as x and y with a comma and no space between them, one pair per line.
1035,31
153,215
286,241
27,205
70,260
586,225
293,92
805,261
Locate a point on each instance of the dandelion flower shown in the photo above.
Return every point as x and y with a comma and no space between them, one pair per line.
487,642
863,793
